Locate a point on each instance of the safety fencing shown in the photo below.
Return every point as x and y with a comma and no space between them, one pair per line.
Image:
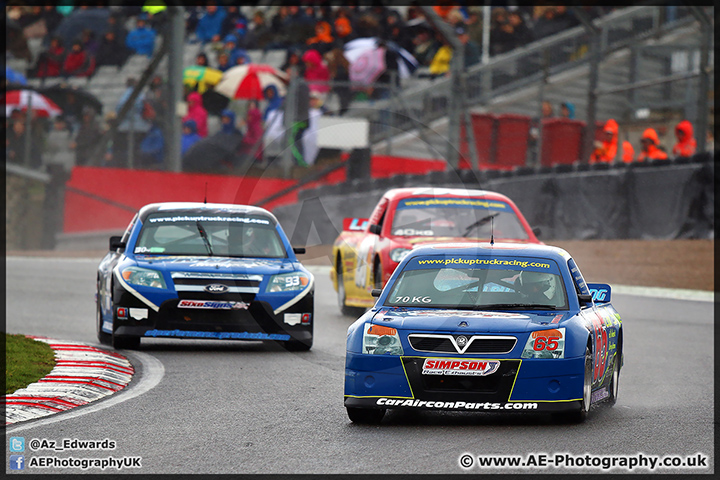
649,200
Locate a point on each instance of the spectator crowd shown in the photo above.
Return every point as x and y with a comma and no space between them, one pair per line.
313,37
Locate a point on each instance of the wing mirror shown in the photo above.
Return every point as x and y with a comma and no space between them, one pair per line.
115,242
376,292
375,229
537,231
585,299
299,250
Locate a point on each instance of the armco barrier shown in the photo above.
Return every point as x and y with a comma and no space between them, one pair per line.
665,201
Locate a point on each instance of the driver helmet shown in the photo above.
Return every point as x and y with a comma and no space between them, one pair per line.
533,283
248,237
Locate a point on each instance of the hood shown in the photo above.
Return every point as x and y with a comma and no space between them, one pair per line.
312,56
447,321
652,135
571,109
194,99
191,124
611,126
204,264
686,127
229,127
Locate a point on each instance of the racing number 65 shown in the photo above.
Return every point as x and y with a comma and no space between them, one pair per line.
543,343
601,345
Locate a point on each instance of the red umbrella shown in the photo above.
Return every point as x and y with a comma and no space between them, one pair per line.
20,99
248,81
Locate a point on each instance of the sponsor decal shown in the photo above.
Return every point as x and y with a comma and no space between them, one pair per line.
220,335
408,299
400,402
213,305
355,224
411,232
453,202
122,312
598,395
216,288
139,313
441,366
292,318
306,318
556,319
204,218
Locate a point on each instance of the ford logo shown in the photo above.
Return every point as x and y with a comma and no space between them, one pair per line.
216,288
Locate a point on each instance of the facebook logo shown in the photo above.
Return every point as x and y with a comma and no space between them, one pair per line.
17,462
17,444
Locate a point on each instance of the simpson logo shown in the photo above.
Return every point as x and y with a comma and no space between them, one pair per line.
209,304
439,366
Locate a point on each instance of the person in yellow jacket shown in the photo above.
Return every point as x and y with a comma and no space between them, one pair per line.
440,64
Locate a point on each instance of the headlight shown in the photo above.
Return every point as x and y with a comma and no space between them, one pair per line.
397,254
545,344
144,277
379,340
287,282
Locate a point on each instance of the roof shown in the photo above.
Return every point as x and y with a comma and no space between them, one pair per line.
199,207
497,249
443,192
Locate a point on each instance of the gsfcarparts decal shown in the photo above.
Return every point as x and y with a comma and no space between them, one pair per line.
399,402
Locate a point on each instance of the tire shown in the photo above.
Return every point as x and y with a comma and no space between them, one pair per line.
377,275
341,296
105,338
366,416
579,416
614,382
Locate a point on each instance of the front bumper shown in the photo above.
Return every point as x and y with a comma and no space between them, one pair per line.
386,381
257,322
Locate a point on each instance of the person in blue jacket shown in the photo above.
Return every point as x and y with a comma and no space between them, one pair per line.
152,148
189,137
210,25
142,39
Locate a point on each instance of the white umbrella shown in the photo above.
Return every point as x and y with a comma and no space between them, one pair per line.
406,62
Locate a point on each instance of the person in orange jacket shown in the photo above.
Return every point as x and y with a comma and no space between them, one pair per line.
606,149
686,145
650,146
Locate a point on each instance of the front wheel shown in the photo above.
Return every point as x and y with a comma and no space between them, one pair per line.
366,416
579,416
105,338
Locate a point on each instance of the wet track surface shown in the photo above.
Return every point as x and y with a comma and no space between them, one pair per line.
235,407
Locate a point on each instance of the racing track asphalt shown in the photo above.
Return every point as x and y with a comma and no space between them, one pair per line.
254,408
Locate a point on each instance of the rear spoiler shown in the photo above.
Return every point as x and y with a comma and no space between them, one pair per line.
600,292
355,224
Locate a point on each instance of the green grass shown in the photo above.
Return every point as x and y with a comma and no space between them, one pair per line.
26,361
